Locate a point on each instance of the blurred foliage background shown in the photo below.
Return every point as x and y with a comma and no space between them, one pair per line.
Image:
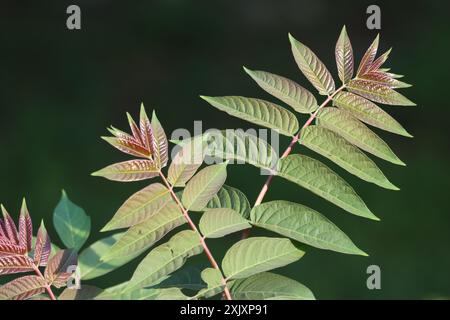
60,89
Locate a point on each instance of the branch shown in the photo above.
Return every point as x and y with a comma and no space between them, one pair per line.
295,139
195,229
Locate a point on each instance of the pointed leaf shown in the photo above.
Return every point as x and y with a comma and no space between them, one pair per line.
84,293
384,79
344,57
7,248
355,132
368,112
216,223
269,286
71,223
378,93
165,259
203,186
232,198
128,146
131,170
25,227
139,207
257,111
303,224
10,227
288,91
254,255
321,180
60,268
368,58
313,69
380,61
22,288
43,247
162,146
143,235
147,135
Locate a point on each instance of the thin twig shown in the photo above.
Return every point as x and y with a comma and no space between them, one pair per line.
47,286
195,229
295,139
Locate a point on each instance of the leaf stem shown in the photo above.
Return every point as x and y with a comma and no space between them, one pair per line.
295,139
47,286
195,229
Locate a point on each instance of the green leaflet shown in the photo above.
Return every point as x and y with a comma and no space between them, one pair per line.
131,170
313,69
188,277
378,93
203,186
288,91
269,286
254,255
71,223
303,224
90,263
355,132
165,259
232,198
139,207
143,235
257,111
368,112
241,147
321,180
344,154
213,279
186,161
216,223
344,57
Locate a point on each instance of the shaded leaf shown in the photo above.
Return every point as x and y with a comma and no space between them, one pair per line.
355,132
22,288
165,259
368,112
213,279
60,268
344,154
344,57
313,69
288,91
254,255
71,223
257,111
118,293
232,198
203,186
269,286
139,207
216,223
303,224
378,93
321,180
128,171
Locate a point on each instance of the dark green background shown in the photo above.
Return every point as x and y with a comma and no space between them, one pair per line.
60,89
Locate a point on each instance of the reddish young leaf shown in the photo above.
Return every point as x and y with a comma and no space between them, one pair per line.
43,247
384,79
10,227
146,131
132,170
127,146
22,288
135,129
378,93
58,269
161,148
7,248
368,58
15,264
25,227
380,61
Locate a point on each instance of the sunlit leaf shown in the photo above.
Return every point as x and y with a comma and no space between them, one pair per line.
127,171
368,58
43,247
303,224
313,69
15,264
254,255
344,154
10,230
165,259
378,93
368,112
25,227
22,288
213,279
232,198
71,223
269,286
139,207
288,91
161,153
216,223
321,180
384,79
344,57
354,131
60,268
257,111
203,186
